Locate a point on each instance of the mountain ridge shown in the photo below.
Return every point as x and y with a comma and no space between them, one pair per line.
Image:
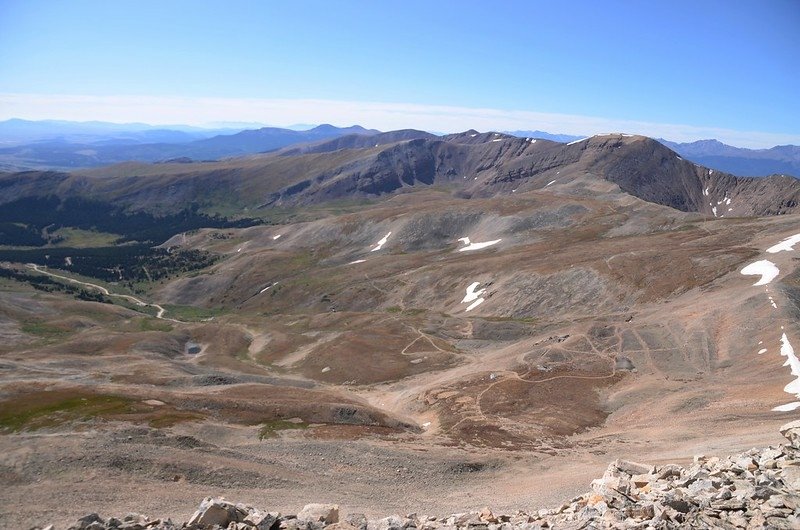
64,145
469,164
780,159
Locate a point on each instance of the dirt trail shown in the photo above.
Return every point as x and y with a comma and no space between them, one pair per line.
137,301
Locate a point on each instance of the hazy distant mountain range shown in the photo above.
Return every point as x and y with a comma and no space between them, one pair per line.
65,145
781,159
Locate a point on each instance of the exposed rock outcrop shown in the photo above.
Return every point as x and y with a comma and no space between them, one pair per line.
759,488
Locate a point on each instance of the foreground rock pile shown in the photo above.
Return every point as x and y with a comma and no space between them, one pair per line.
756,489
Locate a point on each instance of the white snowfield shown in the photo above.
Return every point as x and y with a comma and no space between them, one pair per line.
379,244
476,246
277,237
473,296
357,261
765,268
794,363
769,272
475,304
786,245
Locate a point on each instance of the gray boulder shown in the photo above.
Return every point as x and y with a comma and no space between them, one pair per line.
319,513
791,431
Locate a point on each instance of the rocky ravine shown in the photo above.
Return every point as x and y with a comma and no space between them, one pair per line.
756,489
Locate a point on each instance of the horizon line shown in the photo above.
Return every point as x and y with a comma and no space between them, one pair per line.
202,112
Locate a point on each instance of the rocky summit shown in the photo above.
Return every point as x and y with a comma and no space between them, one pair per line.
759,488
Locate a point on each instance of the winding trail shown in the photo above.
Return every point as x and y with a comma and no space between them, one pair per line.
137,301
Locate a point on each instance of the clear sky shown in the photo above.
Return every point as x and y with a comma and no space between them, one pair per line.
683,70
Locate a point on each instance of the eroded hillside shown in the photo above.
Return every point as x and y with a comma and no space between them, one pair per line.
503,304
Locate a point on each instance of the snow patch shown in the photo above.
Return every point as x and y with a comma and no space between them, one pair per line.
765,268
551,182
473,135
794,363
276,237
788,407
714,210
476,246
705,192
497,140
379,244
474,304
357,261
785,245
577,141
473,295
267,287
772,302
762,351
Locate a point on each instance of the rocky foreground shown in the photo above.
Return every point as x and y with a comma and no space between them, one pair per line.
756,489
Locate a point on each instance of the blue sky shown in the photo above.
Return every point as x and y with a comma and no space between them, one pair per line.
682,70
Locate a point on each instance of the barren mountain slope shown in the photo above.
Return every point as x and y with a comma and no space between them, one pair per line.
466,164
411,350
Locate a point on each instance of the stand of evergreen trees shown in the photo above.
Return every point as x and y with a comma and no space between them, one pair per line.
37,213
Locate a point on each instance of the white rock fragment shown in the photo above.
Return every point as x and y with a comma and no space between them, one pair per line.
319,513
